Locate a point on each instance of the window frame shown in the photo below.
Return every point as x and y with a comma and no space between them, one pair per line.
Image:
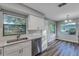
63,23
52,23
15,24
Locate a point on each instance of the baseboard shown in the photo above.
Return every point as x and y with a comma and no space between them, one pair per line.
67,41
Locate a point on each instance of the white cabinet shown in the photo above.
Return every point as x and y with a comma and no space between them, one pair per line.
35,23
25,49
11,50
44,43
20,49
1,51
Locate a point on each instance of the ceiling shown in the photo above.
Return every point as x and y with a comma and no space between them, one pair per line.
53,12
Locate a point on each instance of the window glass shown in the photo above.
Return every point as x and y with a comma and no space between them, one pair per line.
14,25
52,27
68,28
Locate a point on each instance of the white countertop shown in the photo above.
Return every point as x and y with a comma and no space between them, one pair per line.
30,37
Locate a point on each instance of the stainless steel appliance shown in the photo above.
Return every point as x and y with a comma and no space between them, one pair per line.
36,46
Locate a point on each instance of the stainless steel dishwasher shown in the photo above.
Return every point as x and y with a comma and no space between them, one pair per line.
36,46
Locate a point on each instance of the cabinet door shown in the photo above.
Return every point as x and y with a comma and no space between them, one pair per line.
11,50
28,49
25,49
35,23
40,23
1,51
11,53
32,23
20,49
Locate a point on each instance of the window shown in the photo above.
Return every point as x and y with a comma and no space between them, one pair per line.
68,28
13,25
52,27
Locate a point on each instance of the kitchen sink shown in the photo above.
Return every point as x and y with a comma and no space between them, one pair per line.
9,41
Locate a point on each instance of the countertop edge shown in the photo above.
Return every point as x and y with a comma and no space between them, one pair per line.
17,42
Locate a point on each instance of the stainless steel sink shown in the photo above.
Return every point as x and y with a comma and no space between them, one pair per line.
9,41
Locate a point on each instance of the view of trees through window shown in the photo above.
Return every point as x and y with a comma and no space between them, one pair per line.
14,25
52,27
68,28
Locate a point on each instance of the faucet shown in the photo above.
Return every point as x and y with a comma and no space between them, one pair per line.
18,33
18,36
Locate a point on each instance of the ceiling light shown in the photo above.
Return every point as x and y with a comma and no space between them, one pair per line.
70,20
65,21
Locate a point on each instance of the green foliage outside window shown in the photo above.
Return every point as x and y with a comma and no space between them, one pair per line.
13,25
68,28
52,27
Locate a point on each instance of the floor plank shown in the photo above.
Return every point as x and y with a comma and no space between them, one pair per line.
62,48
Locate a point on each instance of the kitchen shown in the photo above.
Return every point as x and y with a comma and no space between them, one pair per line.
26,37
39,29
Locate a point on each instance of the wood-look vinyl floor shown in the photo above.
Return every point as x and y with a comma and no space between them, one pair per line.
62,48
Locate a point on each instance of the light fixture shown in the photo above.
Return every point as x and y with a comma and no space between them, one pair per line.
65,21
68,20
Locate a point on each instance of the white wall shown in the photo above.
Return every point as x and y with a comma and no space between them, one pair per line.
71,38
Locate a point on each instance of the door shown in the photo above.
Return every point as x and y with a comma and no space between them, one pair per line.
45,36
77,30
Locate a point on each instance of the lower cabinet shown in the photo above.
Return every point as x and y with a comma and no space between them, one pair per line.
25,50
1,51
20,49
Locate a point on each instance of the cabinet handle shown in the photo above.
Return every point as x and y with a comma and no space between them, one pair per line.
0,52
21,50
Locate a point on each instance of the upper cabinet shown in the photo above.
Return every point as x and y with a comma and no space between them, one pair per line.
35,23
